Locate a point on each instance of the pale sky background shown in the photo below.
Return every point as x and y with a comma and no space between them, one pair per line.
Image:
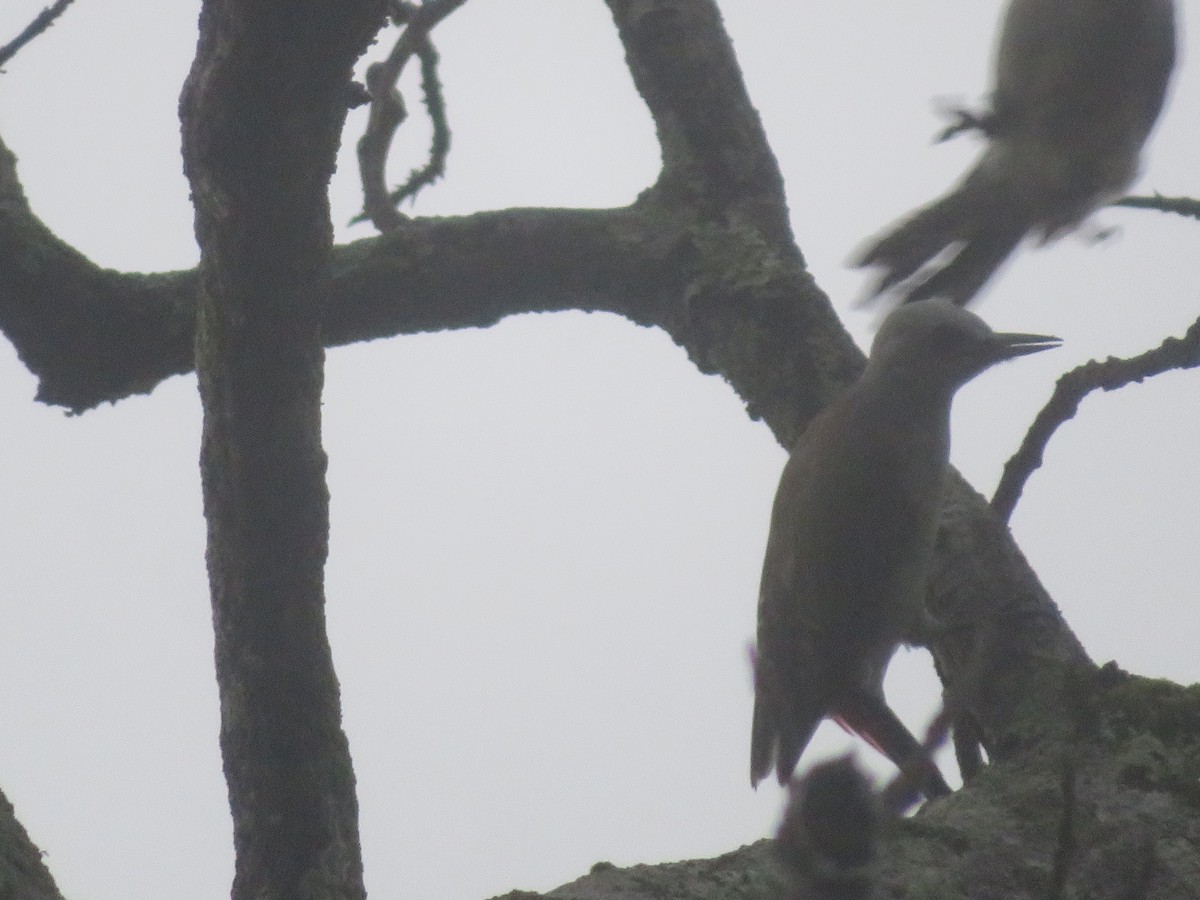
546,535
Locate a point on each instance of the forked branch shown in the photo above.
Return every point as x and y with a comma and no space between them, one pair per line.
388,112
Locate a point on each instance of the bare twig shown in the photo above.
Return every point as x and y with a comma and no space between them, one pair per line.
1110,374
1181,206
388,112
431,95
40,23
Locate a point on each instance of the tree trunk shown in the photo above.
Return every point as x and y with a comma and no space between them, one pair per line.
262,114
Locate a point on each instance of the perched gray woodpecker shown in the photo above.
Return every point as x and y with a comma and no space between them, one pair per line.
852,533
1078,86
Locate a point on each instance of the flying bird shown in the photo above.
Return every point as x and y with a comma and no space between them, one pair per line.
1078,86
852,534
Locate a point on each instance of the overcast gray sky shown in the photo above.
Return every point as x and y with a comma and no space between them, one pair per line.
546,535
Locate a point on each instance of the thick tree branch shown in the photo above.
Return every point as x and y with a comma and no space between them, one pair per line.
1120,825
92,335
262,113
23,873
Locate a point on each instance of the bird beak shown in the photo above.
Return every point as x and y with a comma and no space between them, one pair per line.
1013,345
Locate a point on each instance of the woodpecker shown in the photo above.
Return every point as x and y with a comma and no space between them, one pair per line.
1077,88
852,533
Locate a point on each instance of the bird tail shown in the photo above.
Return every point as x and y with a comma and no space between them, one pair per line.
974,225
778,737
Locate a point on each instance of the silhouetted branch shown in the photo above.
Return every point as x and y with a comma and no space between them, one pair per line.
261,117
388,112
439,145
40,23
1110,374
1180,206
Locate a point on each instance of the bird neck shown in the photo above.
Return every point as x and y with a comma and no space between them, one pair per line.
917,393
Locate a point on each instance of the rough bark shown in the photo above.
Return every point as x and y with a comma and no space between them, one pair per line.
262,113
23,874
1113,813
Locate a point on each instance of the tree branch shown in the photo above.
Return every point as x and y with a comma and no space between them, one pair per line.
261,114
40,23
388,111
23,873
1173,354
1180,206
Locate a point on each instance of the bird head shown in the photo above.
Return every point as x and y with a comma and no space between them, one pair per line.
943,345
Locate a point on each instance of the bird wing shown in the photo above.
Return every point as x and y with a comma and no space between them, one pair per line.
1156,56
791,685
976,226
1079,85
1062,64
